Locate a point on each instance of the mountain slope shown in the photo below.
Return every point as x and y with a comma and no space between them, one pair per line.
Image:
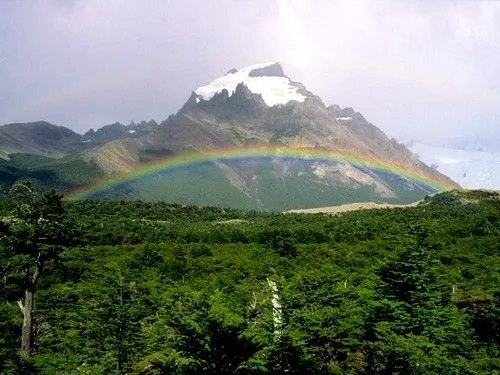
56,157
259,106
41,138
61,174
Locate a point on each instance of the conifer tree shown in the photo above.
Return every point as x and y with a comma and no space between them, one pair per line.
37,231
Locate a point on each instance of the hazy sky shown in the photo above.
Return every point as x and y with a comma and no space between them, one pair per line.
426,70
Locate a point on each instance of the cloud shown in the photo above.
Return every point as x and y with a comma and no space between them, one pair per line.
405,65
481,21
415,69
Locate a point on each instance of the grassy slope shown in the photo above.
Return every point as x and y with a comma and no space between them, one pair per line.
204,185
299,188
304,190
201,185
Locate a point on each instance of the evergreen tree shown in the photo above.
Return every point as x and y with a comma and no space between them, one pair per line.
413,328
36,232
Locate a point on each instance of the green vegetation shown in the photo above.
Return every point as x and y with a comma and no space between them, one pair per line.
36,232
48,173
153,288
260,185
199,185
257,185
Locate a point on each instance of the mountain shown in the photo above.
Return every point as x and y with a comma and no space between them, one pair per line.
55,156
44,138
40,138
471,167
260,107
248,109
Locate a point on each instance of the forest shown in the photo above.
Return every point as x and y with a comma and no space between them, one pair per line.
131,287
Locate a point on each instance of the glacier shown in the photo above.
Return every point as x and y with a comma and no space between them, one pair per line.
470,168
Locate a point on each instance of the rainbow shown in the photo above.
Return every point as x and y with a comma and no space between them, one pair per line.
197,158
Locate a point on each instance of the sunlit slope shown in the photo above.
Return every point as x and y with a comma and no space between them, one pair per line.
260,184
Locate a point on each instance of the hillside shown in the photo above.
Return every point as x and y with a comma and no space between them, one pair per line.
57,158
61,173
43,138
152,288
39,138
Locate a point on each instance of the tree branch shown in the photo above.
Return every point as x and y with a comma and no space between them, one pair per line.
20,305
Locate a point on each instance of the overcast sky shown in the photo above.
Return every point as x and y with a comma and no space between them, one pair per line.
425,70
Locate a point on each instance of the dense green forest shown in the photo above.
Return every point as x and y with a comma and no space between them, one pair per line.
153,288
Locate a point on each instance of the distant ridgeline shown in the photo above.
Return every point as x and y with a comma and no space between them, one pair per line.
251,139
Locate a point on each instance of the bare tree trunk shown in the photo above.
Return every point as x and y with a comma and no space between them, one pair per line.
27,339
27,330
277,309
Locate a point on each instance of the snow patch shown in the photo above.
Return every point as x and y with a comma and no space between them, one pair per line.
274,90
343,118
131,131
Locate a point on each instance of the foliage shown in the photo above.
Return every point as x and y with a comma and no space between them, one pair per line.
32,236
153,288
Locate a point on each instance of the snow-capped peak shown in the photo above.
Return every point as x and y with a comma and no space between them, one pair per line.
267,80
